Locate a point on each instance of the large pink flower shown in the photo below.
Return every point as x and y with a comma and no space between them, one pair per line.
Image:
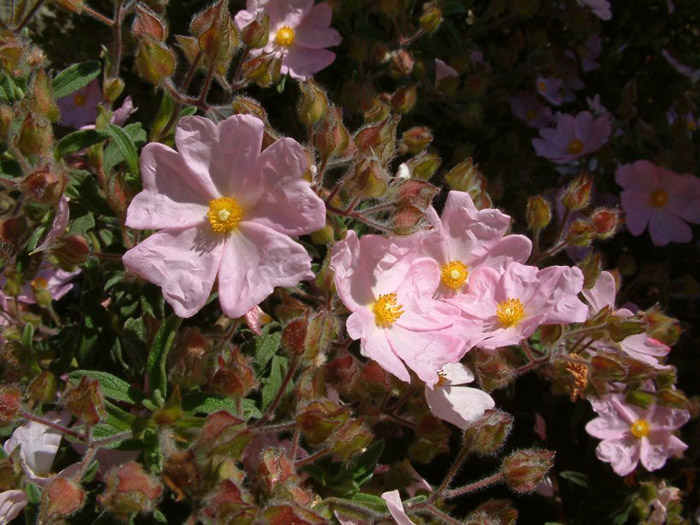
465,238
299,33
660,198
631,434
222,208
573,138
390,294
509,306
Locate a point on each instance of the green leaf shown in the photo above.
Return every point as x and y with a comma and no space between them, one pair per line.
126,147
274,380
117,417
370,501
112,386
364,465
159,517
75,77
577,478
158,355
266,347
28,336
83,224
79,140
206,403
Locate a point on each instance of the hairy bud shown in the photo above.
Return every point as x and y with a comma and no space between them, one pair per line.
257,33
487,434
578,193
538,213
154,61
10,404
313,105
43,186
61,499
71,251
85,401
524,469
130,491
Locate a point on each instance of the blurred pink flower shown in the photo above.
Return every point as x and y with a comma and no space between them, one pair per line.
660,198
510,305
450,401
80,108
393,502
466,238
299,33
573,138
442,71
600,8
526,106
390,294
664,496
631,434
54,280
550,89
223,209
590,51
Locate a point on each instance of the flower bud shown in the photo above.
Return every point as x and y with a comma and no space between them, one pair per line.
578,193
378,139
71,251
256,34
550,334
404,98
621,328
672,398
524,469
607,367
369,180
230,504
319,419
6,118
35,136
189,361
85,401
605,222
422,167
154,61
44,186
538,213
313,105
42,97
662,327
494,512
416,139
130,491
112,89
147,24
639,398
72,6
487,434
580,234
223,434
264,70
332,138
247,106
406,220
172,411
379,55
43,389
591,267
294,336
276,470
10,404
402,62
288,513
325,235
61,499
235,378
181,474
351,439
431,18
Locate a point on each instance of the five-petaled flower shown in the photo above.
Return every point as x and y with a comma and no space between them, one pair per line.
573,137
223,209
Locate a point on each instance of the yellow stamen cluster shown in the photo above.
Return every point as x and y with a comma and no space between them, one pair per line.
658,198
510,312
39,282
224,214
386,310
454,274
80,100
578,368
285,36
639,428
575,147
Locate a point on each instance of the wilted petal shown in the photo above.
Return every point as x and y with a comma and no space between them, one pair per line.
393,502
622,453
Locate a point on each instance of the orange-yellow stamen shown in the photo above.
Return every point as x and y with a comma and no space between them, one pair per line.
224,214
454,274
80,100
39,282
639,428
542,86
510,312
575,147
658,198
285,36
386,310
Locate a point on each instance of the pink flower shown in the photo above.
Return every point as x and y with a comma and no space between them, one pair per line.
550,89
443,72
631,434
299,33
459,405
509,306
527,108
589,53
665,495
660,198
390,294
223,209
466,238
80,108
600,8
393,502
573,137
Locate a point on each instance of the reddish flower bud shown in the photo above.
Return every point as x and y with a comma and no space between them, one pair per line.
467,177
332,138
538,213
288,513
71,251
235,378
524,469
223,433
264,70
294,336
189,361
319,419
378,140
351,439
44,186
257,33
42,97
147,24
181,474
402,62
487,434
230,504
494,511
35,136
431,18
369,179
621,328
404,98
422,167
43,389
605,222
670,397
10,404
591,266
662,327
130,491
580,234
6,118
85,401
247,106
60,500
416,139
578,193
407,220
313,105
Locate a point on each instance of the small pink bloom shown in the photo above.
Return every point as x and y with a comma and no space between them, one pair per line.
573,138
255,318
661,199
550,89
223,210
393,502
600,8
589,53
12,502
119,116
632,434
527,107
54,280
60,221
459,405
509,306
443,71
80,108
390,294
545,487
299,33
664,496
466,238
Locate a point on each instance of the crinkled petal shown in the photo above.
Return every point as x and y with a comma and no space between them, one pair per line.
302,63
314,31
602,293
621,453
608,426
657,447
637,210
183,262
376,346
457,374
255,260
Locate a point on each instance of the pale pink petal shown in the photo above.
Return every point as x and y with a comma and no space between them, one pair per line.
637,210
288,13
60,221
354,292
287,204
393,502
557,295
377,347
667,418
359,322
255,318
622,454
458,404
314,31
608,426
301,63
255,260
173,195
602,293
511,248
183,263
226,152
665,226
639,176
120,116
657,447
457,374
12,502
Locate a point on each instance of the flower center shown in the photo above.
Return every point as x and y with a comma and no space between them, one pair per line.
510,312
639,428
39,282
542,86
386,311
575,147
658,198
454,274
285,36
80,100
224,214
530,114
690,125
